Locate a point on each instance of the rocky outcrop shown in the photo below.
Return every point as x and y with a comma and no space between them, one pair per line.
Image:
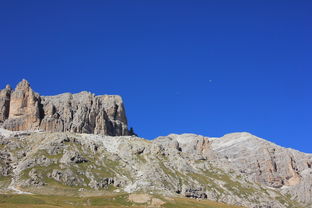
239,168
265,162
84,113
197,193
23,109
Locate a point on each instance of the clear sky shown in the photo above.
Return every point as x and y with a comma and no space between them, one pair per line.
208,67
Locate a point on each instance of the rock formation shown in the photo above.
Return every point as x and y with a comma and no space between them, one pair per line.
5,96
24,113
24,109
83,146
238,169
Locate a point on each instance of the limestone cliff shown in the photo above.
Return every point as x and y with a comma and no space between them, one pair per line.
23,109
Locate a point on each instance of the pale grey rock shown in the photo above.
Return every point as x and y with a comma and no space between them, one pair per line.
84,113
223,169
67,177
101,184
266,163
35,179
23,109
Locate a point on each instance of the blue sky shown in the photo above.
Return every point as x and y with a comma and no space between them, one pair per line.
204,67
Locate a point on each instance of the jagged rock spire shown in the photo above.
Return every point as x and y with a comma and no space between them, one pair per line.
24,83
24,108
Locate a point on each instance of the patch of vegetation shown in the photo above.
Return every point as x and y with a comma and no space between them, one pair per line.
5,181
233,186
47,155
286,200
209,183
4,178
43,170
114,167
52,184
112,164
237,188
103,172
112,201
166,170
183,202
21,199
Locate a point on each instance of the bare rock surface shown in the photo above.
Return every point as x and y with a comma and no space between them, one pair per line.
5,96
238,169
23,109
24,113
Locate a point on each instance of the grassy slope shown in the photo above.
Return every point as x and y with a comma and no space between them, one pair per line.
35,201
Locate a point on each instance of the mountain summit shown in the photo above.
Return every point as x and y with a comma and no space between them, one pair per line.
23,109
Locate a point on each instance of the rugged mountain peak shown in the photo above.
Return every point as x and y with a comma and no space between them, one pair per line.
23,109
23,85
24,113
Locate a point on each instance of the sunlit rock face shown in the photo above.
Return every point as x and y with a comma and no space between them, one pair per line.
23,109
239,168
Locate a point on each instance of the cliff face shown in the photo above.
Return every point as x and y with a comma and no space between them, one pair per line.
23,109
5,96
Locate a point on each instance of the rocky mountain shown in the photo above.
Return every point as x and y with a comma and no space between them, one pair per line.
75,155
23,109
239,168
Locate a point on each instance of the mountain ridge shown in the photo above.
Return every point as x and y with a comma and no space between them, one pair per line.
79,145
186,165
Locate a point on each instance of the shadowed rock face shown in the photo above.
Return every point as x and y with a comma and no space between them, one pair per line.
23,109
5,95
